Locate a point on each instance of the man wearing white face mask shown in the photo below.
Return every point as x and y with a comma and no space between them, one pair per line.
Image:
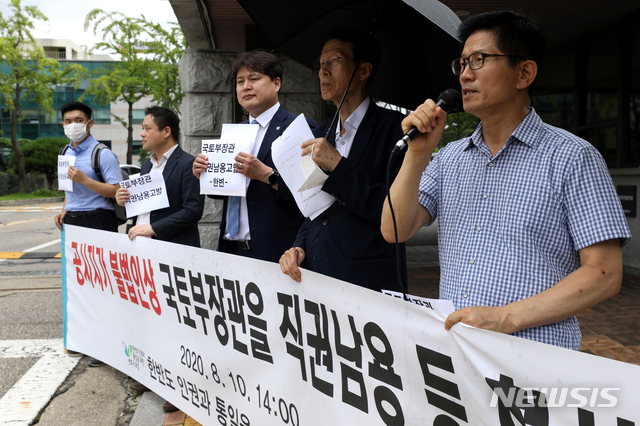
89,204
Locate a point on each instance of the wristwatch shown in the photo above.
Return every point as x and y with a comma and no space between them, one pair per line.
273,178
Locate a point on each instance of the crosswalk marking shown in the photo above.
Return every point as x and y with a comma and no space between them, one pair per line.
22,403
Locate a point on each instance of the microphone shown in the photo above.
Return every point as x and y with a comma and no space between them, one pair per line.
449,101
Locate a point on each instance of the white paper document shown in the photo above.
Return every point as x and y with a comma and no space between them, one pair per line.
64,183
287,156
221,177
445,307
146,194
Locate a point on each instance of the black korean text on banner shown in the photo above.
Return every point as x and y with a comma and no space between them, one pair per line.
262,349
351,374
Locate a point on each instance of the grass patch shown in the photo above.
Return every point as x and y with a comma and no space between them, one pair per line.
41,193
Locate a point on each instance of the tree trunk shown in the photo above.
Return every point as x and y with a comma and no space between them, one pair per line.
130,136
14,140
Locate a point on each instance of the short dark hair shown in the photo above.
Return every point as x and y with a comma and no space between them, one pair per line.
259,61
164,117
365,48
76,106
516,34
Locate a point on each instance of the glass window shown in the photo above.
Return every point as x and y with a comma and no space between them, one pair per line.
6,116
102,115
51,130
29,131
30,115
138,116
603,78
137,145
604,138
556,109
633,152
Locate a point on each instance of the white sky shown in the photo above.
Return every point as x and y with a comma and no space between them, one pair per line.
66,17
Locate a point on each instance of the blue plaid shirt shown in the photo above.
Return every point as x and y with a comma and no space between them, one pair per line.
510,226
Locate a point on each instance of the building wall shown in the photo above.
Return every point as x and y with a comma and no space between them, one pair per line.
209,102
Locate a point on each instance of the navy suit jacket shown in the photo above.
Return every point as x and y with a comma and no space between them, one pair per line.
178,223
274,217
345,241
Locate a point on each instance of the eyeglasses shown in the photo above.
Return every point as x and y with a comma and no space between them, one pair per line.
332,63
476,61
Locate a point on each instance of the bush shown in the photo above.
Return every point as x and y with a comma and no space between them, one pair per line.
46,193
40,156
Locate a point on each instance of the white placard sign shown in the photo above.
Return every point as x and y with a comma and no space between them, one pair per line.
221,177
286,152
146,194
243,344
64,162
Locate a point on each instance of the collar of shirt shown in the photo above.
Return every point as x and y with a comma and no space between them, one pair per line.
527,132
165,157
265,118
86,144
344,142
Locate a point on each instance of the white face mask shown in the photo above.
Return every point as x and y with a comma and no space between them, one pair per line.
75,131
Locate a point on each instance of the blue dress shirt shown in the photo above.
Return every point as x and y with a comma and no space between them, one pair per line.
510,226
82,198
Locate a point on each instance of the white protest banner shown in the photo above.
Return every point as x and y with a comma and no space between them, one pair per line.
64,162
146,194
231,340
287,156
221,177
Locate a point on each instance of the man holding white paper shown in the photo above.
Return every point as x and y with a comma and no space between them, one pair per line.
345,241
177,223
88,204
265,222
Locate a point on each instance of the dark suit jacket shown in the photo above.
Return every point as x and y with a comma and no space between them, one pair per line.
345,241
274,217
178,223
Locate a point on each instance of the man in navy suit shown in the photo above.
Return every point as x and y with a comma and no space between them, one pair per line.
177,223
266,221
345,241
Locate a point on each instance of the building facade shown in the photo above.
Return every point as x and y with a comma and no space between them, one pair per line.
37,123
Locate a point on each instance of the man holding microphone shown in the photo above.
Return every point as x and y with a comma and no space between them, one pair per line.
530,228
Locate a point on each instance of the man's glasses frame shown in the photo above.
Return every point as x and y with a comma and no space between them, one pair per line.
332,63
476,61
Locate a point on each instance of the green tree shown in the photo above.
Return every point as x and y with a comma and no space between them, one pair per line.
41,156
459,125
143,156
148,65
33,77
